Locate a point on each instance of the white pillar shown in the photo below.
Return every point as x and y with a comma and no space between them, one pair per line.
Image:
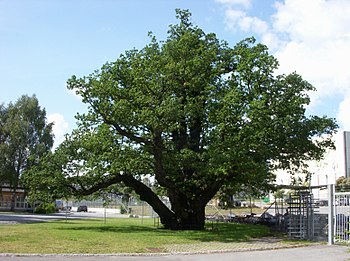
331,189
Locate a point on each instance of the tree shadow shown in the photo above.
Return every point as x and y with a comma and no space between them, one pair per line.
225,232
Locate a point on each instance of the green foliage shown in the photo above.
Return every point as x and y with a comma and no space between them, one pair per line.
45,208
25,137
343,181
123,210
280,194
196,114
45,180
343,184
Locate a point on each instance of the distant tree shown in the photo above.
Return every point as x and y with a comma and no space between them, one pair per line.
279,194
197,115
343,181
25,136
343,184
3,117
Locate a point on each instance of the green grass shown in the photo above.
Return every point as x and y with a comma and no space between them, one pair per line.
116,236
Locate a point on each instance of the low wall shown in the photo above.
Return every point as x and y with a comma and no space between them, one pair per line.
100,210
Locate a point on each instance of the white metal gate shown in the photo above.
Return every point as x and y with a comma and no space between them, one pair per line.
301,213
341,205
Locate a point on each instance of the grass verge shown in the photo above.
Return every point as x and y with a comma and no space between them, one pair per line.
93,236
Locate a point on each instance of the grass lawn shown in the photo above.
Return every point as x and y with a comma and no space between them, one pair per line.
116,236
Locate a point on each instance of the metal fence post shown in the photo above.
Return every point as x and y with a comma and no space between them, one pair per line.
331,188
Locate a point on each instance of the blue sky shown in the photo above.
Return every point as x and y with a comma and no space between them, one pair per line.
43,43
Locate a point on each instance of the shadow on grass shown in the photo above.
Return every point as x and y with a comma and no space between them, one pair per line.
221,232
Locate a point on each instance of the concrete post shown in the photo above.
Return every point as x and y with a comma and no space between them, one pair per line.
331,191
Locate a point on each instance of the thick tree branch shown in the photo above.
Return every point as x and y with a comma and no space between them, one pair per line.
100,185
145,193
166,215
127,134
158,162
119,129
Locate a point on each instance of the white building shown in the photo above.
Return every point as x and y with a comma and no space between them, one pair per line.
326,171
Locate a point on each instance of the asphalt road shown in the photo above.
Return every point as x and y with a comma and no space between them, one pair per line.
8,218
312,253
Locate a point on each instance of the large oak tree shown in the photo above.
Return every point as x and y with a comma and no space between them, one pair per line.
196,114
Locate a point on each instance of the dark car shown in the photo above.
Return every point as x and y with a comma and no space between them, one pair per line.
82,209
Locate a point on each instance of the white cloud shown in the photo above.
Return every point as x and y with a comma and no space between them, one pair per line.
316,40
344,113
60,127
309,37
236,19
312,21
244,3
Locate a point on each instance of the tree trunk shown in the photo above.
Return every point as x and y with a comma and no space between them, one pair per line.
189,212
13,200
184,219
194,220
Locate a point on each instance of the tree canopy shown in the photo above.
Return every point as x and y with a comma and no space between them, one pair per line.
196,114
25,136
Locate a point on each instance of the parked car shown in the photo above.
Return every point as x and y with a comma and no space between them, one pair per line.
323,203
82,209
66,208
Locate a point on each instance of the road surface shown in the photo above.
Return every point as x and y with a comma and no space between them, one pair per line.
311,253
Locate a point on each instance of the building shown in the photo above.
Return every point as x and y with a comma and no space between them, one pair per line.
6,196
326,171
347,153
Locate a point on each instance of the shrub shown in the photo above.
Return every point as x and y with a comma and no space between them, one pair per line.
45,208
